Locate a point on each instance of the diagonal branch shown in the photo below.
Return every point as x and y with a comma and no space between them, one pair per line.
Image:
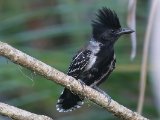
69,82
19,114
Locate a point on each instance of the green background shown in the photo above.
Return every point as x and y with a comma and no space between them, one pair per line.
52,31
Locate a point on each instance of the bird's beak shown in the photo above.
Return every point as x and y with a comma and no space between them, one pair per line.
124,31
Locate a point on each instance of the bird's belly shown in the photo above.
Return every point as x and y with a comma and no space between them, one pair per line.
90,76
97,72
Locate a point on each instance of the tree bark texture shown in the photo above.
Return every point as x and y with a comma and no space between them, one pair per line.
69,82
19,114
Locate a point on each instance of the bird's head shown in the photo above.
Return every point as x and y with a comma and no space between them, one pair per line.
107,27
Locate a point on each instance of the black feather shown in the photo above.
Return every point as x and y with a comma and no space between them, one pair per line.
106,19
94,63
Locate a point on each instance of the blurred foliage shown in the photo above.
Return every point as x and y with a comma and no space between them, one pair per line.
51,31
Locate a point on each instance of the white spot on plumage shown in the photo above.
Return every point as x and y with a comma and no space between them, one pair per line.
92,60
62,92
80,103
60,109
60,100
94,47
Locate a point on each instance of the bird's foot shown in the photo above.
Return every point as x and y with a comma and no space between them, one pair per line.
104,93
82,83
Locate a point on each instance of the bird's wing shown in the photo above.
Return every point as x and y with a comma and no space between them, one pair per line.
79,63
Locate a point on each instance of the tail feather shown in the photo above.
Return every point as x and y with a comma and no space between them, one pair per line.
68,101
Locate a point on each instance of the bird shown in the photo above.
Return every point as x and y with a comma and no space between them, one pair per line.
93,64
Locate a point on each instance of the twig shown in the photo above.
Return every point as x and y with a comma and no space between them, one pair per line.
69,82
145,56
19,114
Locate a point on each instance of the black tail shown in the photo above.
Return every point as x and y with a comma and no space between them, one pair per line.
68,101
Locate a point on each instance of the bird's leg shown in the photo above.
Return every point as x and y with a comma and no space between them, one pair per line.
104,93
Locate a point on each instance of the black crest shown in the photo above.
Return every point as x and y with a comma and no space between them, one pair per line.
106,19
